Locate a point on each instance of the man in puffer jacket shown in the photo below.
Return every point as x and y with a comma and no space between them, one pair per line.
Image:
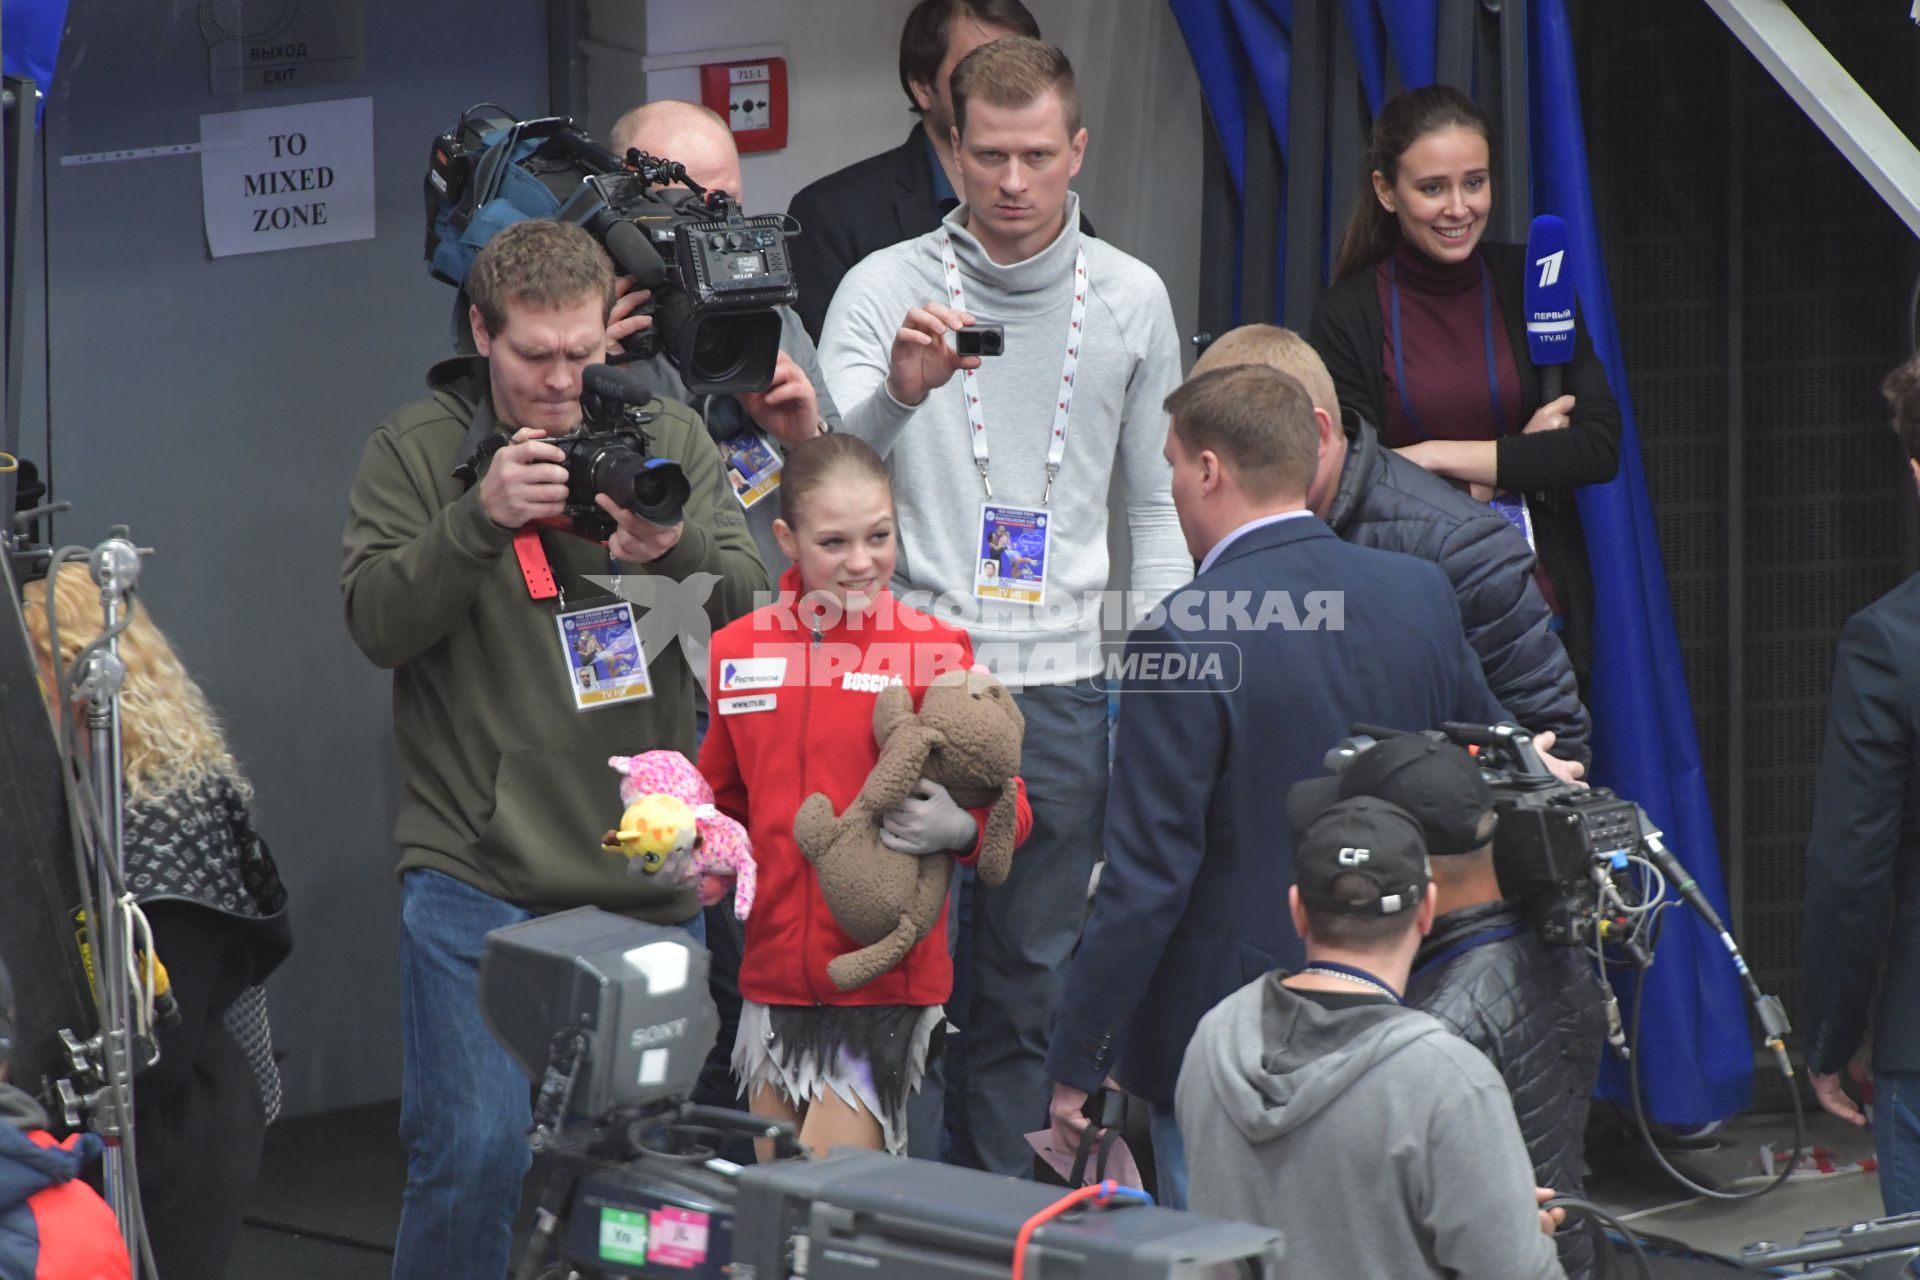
52,1226
1372,496
1537,1012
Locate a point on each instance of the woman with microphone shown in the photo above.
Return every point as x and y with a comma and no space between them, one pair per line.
1424,333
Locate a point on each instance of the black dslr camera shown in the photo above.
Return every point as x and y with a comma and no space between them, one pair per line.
610,452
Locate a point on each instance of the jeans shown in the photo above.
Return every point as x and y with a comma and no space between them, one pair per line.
1896,1138
1169,1156
464,1106
1024,930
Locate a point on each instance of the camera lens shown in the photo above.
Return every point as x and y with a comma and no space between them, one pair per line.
719,347
989,343
660,491
654,489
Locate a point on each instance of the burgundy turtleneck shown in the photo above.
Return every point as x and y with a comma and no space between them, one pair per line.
1442,326
1445,352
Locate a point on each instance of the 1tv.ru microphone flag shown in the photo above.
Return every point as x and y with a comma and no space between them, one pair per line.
1549,303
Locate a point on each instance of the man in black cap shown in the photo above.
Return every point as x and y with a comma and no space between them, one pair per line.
1536,1011
1380,1144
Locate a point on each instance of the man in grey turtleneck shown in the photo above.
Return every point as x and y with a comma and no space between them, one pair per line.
1001,478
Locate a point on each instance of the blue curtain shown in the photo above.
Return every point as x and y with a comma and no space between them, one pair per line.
1695,1051
30,40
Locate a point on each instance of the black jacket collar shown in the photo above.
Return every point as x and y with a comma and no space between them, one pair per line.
1456,926
913,175
1363,451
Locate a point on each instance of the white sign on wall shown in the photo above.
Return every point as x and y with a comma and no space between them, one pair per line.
287,177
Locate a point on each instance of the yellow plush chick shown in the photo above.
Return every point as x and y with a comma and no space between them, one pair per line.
652,830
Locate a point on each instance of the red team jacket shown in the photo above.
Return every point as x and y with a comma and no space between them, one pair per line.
792,714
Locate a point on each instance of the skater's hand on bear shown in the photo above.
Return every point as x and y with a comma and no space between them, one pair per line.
928,821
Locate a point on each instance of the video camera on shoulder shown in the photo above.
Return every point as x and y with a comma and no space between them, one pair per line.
717,275
1565,852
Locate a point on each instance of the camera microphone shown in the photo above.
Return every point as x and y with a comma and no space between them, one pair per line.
635,255
618,385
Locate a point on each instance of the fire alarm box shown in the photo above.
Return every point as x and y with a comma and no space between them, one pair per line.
752,98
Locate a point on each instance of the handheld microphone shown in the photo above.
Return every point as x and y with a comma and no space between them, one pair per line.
1549,302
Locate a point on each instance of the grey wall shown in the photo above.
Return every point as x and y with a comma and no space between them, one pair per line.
220,407
1140,99
1139,94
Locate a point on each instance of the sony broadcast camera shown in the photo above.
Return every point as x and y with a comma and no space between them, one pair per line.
716,274
612,1019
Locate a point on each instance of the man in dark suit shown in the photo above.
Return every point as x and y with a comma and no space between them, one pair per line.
1232,691
904,192
1863,862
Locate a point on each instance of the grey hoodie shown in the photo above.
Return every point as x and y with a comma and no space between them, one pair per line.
1377,1142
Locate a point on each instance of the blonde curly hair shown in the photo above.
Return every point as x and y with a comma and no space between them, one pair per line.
170,738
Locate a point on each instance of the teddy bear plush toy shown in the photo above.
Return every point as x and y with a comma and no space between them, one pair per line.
672,829
966,737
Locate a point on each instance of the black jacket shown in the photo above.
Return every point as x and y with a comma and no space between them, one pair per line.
1387,502
1538,1013
1863,857
868,205
1349,333
218,909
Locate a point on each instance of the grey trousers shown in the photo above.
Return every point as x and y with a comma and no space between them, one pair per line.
1024,930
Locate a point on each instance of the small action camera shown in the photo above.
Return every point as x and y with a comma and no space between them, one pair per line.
980,340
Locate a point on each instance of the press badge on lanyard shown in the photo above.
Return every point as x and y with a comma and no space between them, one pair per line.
599,645
605,664
1512,506
753,466
1013,541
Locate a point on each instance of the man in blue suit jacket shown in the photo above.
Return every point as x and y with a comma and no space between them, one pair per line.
1863,864
1233,692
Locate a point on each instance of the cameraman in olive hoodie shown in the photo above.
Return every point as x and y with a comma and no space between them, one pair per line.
502,724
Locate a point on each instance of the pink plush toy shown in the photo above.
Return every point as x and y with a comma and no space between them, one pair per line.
671,827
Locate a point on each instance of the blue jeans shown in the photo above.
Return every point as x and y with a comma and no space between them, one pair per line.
1169,1156
1896,1138
464,1106
1024,930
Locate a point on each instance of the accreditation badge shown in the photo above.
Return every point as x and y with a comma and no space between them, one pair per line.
1514,507
1013,545
753,466
604,662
